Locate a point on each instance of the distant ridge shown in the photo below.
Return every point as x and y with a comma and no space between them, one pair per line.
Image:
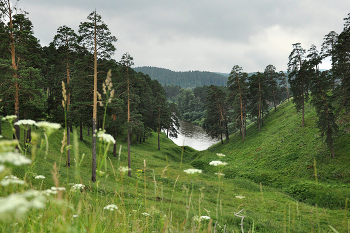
187,79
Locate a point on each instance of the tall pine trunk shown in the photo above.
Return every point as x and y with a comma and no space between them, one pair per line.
94,115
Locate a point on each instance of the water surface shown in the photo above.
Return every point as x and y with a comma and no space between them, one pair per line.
193,136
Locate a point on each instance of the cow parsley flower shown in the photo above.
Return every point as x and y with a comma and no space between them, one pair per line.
58,188
145,214
15,158
205,217
39,177
25,122
240,197
2,168
9,118
11,180
192,171
48,125
220,155
16,205
123,169
220,174
78,187
106,137
217,163
111,207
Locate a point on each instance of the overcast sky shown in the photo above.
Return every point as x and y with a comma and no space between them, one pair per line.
205,35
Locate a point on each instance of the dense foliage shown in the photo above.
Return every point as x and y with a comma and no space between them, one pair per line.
187,79
61,82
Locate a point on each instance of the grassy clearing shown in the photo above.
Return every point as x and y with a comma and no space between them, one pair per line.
271,177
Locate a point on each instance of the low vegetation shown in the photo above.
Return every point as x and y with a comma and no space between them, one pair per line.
269,184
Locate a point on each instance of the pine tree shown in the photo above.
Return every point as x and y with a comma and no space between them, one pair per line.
322,98
258,96
216,120
272,78
298,79
96,37
127,62
66,40
238,95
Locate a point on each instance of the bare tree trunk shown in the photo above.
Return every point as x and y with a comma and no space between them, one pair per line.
81,130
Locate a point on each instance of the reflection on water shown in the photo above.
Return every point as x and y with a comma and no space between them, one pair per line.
193,136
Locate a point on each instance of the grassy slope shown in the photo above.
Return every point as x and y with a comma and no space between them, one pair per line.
278,156
282,156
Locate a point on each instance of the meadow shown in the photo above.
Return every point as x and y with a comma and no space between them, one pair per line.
281,179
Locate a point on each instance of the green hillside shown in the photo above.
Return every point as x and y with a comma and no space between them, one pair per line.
188,79
270,177
283,156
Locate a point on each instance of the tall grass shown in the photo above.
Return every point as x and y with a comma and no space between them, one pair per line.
160,197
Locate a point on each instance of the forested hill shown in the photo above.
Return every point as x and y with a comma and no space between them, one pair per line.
188,79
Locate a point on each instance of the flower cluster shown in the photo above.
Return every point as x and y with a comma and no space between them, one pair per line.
240,197
16,205
200,218
39,177
14,158
217,163
53,190
78,187
192,171
220,155
123,169
220,174
11,180
25,122
9,118
111,207
106,137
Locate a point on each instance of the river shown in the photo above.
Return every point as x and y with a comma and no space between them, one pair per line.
193,136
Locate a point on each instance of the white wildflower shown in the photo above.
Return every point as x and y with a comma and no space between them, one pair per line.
25,122
2,168
48,192
14,158
48,127
123,169
78,187
220,174
220,155
217,163
11,180
145,214
106,137
1,136
192,171
205,217
45,124
40,177
9,118
7,145
111,207
58,188
16,205
75,215
240,197
196,218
